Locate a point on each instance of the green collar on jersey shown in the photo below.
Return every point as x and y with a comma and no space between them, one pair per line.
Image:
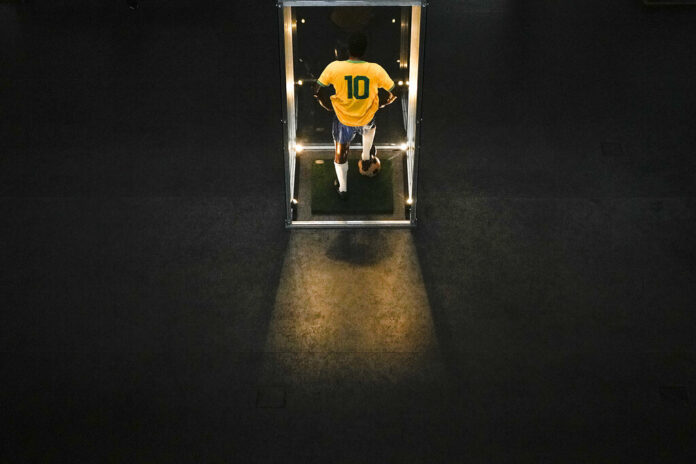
354,61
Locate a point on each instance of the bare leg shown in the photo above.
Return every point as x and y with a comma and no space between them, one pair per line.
341,165
341,153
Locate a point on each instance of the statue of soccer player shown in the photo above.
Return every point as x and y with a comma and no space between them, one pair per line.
354,104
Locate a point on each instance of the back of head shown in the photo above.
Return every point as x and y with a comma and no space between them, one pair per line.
341,49
357,44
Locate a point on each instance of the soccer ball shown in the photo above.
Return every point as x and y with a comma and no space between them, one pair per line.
373,169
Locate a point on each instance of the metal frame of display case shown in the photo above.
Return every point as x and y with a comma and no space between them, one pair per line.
413,119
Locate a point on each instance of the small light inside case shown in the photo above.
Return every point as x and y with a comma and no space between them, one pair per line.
303,20
293,201
393,20
403,146
409,201
401,82
299,148
299,82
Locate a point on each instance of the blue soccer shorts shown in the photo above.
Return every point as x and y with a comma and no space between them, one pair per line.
345,134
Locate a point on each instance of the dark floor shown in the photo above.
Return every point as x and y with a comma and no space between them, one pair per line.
143,242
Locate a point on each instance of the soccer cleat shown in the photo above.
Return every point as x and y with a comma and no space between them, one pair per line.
342,195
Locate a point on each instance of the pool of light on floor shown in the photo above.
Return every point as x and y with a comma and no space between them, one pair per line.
350,305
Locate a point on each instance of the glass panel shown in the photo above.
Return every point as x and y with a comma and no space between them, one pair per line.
320,36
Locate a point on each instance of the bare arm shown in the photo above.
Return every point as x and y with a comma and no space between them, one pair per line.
323,96
388,97
388,100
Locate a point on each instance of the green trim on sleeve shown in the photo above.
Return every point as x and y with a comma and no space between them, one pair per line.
392,88
322,84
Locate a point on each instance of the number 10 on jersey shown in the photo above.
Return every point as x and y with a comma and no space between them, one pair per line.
354,87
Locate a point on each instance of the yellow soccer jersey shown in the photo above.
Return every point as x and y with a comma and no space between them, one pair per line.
356,84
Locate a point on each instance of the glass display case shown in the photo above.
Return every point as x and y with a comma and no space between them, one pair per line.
314,33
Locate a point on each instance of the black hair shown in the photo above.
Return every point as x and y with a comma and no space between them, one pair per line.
357,43
341,49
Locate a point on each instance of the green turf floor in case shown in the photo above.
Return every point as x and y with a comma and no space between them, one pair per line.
366,195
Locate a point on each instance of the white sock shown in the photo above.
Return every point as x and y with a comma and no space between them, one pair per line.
342,174
367,137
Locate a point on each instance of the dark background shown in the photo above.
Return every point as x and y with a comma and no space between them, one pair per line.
142,238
